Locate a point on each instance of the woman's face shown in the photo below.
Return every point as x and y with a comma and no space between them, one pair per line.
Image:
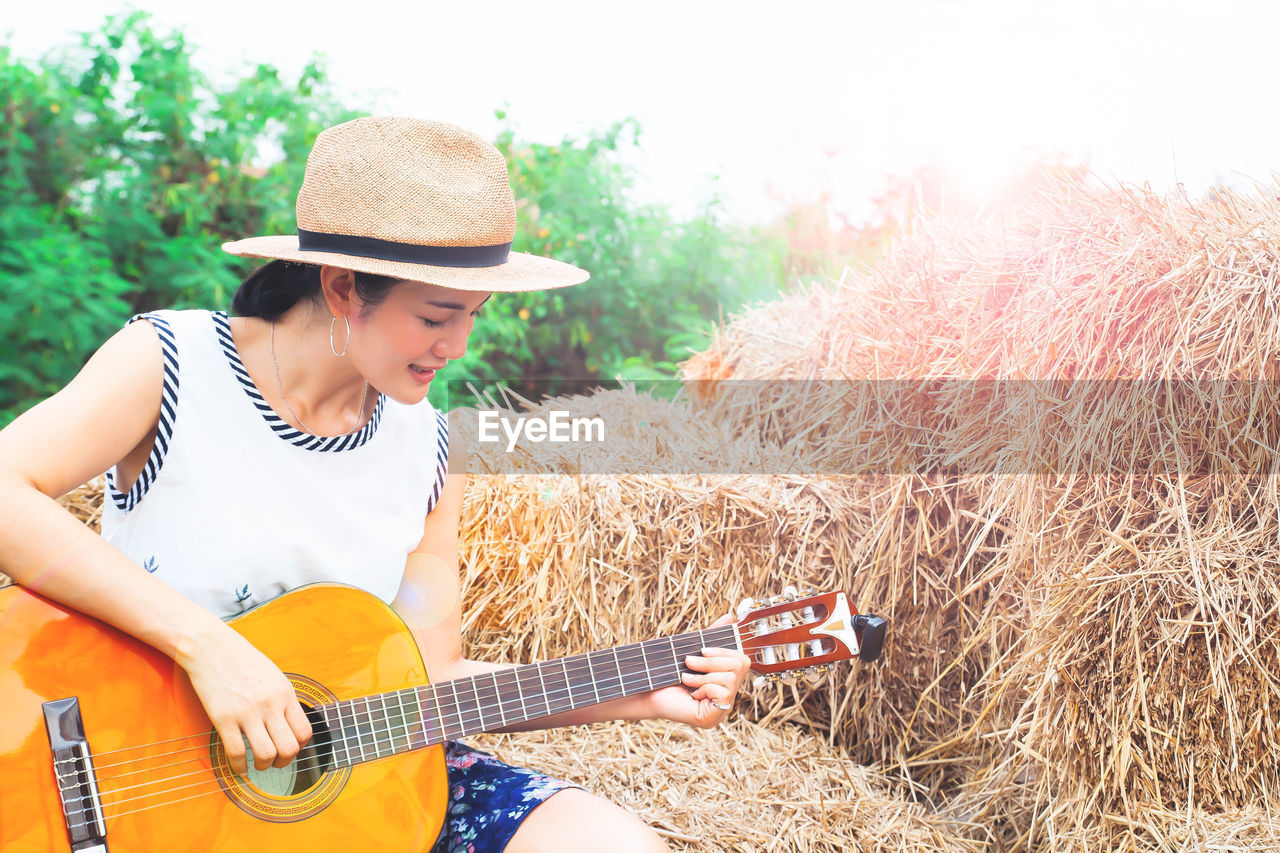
401,342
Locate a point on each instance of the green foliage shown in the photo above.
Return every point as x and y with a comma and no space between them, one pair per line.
123,169
656,284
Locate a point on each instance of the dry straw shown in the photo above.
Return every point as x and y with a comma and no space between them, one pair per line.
1095,662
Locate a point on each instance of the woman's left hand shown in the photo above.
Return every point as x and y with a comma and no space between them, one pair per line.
708,692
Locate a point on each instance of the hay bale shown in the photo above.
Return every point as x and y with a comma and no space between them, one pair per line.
1119,625
740,787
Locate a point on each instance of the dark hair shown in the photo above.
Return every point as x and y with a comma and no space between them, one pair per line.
273,289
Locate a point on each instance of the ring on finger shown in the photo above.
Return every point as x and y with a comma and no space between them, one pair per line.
721,707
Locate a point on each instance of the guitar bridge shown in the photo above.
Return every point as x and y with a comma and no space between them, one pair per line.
77,782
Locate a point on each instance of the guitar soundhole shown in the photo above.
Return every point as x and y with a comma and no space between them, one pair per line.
298,790
305,771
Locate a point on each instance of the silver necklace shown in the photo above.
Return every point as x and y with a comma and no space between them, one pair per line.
364,395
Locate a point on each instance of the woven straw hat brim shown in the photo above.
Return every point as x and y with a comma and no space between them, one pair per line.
521,272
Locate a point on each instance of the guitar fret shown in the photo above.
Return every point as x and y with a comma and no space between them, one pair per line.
497,695
689,644
371,725
333,721
393,722
355,716
465,725
514,674
644,657
435,700
568,683
546,695
527,674
415,726
477,704
457,708
591,674
351,730
617,668
348,756
485,697
632,671
404,721
367,734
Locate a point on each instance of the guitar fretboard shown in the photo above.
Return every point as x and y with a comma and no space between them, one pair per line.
383,724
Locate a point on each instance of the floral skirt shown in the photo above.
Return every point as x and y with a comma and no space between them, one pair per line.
487,800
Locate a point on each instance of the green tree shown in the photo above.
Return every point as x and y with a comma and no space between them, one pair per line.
123,169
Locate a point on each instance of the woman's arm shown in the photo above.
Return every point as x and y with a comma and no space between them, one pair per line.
109,413
430,602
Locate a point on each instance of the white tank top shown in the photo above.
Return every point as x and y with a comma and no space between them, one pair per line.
235,506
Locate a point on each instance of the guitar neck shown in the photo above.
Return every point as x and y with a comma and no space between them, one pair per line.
383,724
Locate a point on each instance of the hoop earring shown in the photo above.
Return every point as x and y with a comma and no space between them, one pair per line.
346,345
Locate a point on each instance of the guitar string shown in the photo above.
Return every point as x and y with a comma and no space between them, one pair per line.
409,723
630,657
384,723
214,790
205,735
390,721
450,708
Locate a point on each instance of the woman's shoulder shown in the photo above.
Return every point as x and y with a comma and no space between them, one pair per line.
186,317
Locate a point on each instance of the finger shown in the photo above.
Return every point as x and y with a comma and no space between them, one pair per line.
264,751
727,660
697,679
282,740
232,746
298,723
716,694
718,660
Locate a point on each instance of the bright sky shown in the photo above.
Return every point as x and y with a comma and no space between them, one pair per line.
784,104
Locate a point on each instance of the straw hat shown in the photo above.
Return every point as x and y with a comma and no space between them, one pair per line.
412,199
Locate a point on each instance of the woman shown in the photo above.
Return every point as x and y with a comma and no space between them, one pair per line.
299,433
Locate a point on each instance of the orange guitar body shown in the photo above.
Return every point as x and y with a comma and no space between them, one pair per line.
336,642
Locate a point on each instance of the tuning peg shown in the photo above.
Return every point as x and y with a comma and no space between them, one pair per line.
745,606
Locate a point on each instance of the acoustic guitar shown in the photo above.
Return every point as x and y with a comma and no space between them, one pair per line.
104,745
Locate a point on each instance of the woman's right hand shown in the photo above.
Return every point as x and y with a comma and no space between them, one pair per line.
247,697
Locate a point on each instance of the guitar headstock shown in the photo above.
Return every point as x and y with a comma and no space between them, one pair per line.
806,631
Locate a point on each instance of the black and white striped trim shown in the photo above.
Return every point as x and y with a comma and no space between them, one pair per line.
278,425
126,501
442,457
